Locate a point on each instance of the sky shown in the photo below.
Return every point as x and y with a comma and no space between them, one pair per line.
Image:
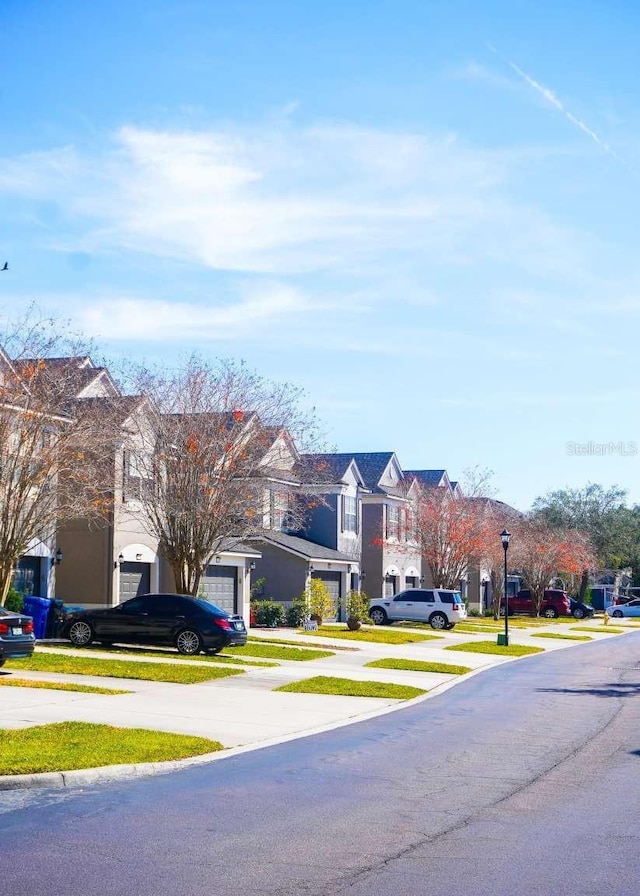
423,213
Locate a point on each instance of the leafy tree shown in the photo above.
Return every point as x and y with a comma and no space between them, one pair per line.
600,515
540,550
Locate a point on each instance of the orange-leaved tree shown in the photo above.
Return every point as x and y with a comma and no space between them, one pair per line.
451,531
541,551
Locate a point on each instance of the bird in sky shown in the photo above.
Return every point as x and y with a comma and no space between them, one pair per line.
6,266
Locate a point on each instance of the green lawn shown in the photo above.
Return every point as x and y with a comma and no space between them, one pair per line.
418,666
491,647
275,652
469,627
179,673
258,640
379,635
346,687
561,636
165,654
10,681
603,630
73,745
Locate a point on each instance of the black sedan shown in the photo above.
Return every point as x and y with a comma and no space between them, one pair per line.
187,623
16,635
580,610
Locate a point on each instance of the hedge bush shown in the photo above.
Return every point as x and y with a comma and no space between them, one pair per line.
268,612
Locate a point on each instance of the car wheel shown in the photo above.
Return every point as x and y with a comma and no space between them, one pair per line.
550,613
438,621
378,616
618,614
80,634
189,642
578,613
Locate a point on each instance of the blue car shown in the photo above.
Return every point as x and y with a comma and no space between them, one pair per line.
630,609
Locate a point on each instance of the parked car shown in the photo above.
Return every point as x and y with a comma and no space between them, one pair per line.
554,603
631,609
439,607
187,623
16,635
628,595
580,610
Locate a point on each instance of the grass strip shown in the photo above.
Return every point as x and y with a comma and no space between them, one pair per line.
143,671
377,635
347,687
273,651
258,640
73,745
603,630
490,647
417,666
10,681
472,629
561,636
165,654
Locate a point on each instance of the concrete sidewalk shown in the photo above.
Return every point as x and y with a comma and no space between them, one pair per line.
243,711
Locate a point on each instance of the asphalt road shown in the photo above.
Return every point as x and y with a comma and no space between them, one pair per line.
522,780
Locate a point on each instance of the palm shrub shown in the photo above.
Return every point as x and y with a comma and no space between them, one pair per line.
357,609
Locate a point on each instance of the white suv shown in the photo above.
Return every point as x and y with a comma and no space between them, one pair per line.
437,606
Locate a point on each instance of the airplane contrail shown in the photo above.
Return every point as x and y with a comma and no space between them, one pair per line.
550,96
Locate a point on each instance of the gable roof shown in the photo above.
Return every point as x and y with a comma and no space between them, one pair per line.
331,468
430,478
309,550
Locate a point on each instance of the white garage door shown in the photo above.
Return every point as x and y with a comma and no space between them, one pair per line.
219,585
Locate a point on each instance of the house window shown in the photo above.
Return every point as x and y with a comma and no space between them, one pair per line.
393,522
349,514
136,477
279,515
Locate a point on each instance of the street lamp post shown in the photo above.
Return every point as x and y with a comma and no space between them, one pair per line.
506,537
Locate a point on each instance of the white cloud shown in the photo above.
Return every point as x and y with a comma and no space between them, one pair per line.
280,200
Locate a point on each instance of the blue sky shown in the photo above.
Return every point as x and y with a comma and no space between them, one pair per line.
425,213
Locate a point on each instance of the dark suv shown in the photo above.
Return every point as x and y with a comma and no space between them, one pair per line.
554,603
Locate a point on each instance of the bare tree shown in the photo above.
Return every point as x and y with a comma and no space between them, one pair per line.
55,454
215,459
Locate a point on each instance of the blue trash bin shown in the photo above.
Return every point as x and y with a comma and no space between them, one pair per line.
38,608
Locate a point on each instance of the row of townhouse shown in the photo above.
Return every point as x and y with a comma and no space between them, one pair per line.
356,535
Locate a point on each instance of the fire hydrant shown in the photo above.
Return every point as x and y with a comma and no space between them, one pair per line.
606,617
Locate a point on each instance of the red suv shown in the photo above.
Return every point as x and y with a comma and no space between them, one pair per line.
554,603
